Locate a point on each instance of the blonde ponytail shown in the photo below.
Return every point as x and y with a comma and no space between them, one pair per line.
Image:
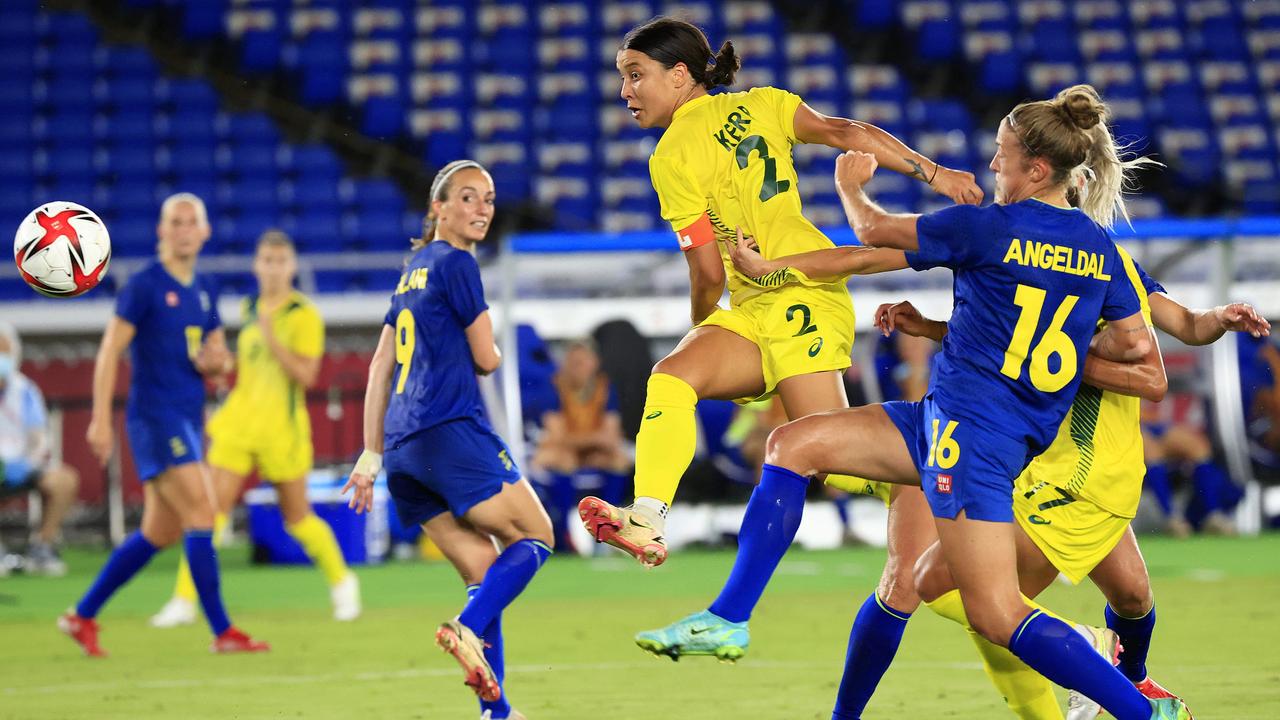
1106,176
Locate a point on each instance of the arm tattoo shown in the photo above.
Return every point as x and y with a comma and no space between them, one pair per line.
916,169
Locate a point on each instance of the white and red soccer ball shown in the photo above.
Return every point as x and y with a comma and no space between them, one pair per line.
62,249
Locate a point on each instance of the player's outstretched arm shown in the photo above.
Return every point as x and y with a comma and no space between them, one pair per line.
485,354
813,127
873,226
117,337
377,394
829,265
1202,327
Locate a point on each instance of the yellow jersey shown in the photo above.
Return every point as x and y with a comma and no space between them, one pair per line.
1097,453
265,399
725,162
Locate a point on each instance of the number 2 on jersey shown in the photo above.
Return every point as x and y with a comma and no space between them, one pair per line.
772,185
406,336
1054,342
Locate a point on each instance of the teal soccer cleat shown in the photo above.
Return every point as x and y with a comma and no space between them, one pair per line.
701,633
1169,709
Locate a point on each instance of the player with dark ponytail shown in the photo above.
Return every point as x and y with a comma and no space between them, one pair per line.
723,170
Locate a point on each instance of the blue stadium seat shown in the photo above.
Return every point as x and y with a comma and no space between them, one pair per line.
251,127
126,126
188,95
322,61
1001,72
260,50
133,235
313,162
379,195
195,160
938,40
383,117
372,229
249,194
203,20
131,164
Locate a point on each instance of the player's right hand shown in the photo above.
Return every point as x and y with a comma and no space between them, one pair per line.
902,316
99,435
747,258
361,481
854,169
958,185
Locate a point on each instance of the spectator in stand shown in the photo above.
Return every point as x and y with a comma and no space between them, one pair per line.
1168,447
25,460
581,446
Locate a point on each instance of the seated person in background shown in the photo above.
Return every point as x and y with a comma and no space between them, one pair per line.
581,446
24,456
1259,366
1167,446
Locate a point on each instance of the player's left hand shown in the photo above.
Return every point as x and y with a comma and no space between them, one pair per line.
899,316
747,259
958,185
1241,317
361,481
854,169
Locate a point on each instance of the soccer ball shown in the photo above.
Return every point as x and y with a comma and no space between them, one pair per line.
62,249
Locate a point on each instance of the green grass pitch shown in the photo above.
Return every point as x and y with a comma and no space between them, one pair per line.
569,647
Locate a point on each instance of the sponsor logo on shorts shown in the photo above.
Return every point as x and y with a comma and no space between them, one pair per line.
653,415
815,347
944,484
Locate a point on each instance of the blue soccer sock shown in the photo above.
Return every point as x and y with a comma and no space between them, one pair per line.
1135,641
203,560
1157,482
563,504
873,641
1053,649
505,579
492,637
125,562
841,502
773,516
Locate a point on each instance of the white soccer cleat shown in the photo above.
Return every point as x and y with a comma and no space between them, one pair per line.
346,598
178,611
1107,643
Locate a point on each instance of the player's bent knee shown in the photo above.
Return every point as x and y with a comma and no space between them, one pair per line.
1133,601
788,446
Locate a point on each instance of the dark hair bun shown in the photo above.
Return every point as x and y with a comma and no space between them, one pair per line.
726,66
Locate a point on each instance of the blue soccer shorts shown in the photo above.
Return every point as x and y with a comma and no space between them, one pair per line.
450,467
962,467
164,440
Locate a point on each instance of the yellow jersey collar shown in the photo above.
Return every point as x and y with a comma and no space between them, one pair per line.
689,106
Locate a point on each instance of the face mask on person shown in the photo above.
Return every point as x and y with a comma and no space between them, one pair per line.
6,365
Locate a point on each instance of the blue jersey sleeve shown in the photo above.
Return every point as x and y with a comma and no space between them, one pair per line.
211,320
464,289
949,238
134,301
612,404
1121,299
1149,283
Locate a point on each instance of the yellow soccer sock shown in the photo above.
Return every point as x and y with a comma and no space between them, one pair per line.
317,540
185,588
667,439
1027,692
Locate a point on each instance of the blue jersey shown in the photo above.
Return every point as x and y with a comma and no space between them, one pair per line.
172,320
1031,282
438,297
1148,283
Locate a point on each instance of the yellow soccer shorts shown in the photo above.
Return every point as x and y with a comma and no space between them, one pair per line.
279,457
1073,533
799,330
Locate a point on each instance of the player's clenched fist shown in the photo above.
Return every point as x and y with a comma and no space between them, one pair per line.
958,185
854,169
